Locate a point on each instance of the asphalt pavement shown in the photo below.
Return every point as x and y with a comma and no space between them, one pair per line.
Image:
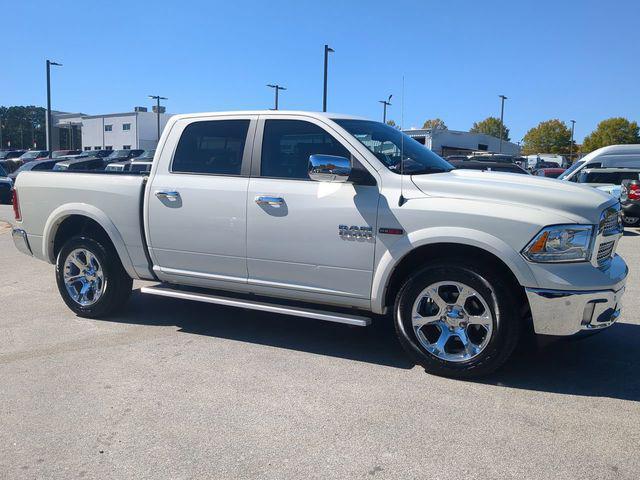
179,390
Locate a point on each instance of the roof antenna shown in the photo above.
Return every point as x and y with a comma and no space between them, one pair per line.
402,200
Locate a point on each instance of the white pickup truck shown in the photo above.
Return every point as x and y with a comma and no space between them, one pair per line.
335,218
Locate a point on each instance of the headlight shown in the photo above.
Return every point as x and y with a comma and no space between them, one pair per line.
561,243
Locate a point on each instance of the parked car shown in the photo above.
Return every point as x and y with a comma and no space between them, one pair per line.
65,153
550,158
9,159
542,164
316,212
491,157
451,158
36,165
94,153
630,199
495,166
613,156
132,166
5,188
32,155
83,163
123,155
608,179
550,172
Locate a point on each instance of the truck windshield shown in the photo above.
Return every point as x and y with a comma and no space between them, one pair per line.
390,145
571,169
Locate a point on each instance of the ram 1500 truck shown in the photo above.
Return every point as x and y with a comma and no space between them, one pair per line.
335,218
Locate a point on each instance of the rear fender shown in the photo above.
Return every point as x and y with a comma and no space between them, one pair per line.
82,209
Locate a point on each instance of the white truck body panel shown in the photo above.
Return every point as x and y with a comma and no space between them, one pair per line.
214,234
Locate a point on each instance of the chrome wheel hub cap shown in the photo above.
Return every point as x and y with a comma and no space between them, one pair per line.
83,277
452,321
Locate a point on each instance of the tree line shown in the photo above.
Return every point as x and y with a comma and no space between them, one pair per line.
22,127
554,136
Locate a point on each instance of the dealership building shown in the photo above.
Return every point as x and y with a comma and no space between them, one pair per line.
112,131
446,142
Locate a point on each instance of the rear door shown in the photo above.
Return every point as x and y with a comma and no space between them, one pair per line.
197,206
295,243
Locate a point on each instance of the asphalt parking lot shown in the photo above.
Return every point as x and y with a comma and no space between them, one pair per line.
171,389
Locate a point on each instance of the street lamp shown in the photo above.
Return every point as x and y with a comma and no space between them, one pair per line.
49,138
573,124
502,99
157,98
327,50
277,88
385,104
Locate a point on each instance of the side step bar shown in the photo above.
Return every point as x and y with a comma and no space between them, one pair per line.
328,316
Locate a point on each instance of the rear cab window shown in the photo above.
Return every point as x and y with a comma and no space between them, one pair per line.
212,147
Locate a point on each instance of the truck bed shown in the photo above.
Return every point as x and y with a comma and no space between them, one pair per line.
113,200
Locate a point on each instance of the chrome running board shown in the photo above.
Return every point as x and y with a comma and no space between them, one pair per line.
327,316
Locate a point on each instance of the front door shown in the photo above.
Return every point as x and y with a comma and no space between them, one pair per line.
197,206
294,236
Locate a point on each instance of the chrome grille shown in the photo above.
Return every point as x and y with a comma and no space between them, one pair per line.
611,221
604,252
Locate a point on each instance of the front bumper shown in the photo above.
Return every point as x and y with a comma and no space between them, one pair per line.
21,241
558,312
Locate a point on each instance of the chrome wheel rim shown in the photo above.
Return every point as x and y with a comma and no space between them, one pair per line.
631,220
83,277
452,321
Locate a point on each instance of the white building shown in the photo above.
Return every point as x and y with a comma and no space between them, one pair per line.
113,131
453,142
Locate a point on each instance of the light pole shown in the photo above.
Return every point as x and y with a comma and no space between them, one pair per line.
157,98
327,50
49,138
502,99
573,124
277,88
385,104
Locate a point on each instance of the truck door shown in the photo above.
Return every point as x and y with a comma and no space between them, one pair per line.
294,236
197,202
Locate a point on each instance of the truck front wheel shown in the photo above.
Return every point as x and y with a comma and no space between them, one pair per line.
458,319
91,278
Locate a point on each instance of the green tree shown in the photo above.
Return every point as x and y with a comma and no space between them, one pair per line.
613,131
552,136
434,123
393,124
491,126
22,127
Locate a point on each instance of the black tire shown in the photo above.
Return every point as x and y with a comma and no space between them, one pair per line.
117,283
497,292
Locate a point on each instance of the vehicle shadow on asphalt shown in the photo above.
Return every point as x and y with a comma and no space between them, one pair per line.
605,365
375,344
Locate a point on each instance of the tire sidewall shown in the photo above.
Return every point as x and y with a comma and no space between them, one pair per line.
494,293
108,269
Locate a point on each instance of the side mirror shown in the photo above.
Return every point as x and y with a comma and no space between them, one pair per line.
329,168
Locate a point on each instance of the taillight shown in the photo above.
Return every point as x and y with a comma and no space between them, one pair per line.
16,205
634,192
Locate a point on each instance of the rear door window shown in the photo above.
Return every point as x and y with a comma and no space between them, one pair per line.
213,147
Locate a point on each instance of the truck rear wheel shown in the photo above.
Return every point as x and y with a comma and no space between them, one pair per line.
457,319
91,278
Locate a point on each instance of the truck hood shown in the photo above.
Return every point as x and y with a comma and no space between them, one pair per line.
575,202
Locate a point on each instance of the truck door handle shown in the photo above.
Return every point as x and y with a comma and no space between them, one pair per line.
268,200
171,196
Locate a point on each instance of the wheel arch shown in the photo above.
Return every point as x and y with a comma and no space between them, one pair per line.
424,246
72,219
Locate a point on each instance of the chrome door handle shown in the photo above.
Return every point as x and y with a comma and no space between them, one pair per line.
171,196
267,200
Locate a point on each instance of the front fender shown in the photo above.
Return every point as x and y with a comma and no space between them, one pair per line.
456,235
64,211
